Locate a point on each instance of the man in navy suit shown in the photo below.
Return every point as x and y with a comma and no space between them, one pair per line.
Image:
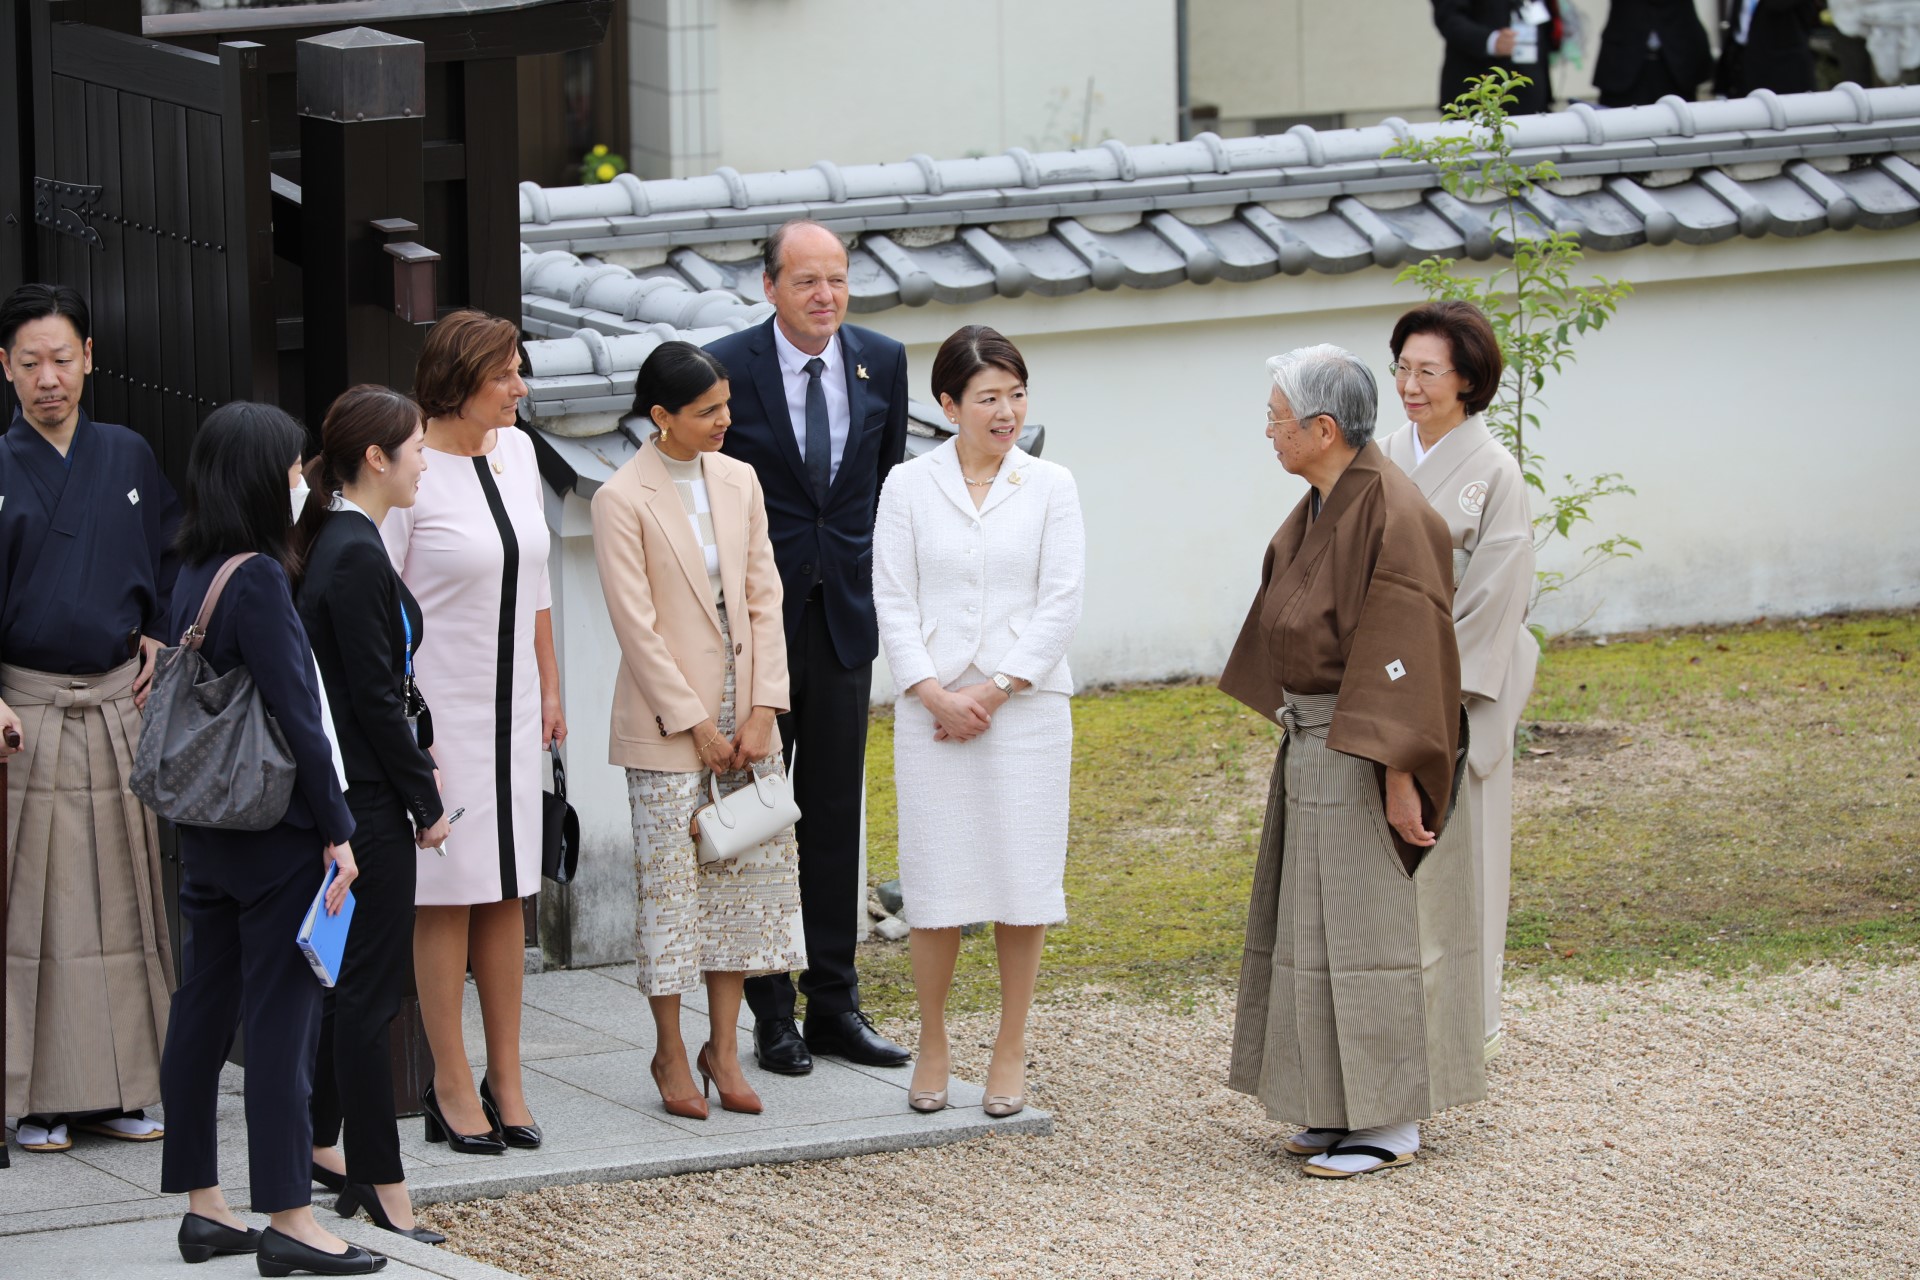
819,411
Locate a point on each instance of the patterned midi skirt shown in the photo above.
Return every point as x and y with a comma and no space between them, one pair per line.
741,916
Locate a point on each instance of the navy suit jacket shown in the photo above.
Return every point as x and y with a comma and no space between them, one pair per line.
830,545
255,624
1623,45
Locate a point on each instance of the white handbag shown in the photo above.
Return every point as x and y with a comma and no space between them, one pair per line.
747,818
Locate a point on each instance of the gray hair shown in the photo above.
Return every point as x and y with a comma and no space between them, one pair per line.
1330,380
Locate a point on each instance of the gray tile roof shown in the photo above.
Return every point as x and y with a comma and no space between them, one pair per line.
1147,217
609,271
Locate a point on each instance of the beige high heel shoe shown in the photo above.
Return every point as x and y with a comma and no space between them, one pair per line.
1002,1105
927,1101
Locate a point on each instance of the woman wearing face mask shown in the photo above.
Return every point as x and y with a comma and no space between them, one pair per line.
243,893
365,627
979,561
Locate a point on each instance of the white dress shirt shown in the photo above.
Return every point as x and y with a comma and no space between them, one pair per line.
833,380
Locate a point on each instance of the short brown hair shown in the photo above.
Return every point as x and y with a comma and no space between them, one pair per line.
462,351
969,350
1476,352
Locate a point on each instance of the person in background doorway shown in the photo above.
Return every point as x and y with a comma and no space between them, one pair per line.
1766,44
1651,48
86,575
1513,35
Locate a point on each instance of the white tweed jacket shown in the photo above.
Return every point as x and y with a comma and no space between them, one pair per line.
998,589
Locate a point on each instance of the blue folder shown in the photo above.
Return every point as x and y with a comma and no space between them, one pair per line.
323,938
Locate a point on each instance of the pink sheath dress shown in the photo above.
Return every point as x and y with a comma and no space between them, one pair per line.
473,550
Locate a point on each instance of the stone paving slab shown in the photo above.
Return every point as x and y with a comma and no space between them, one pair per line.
145,1250
586,1040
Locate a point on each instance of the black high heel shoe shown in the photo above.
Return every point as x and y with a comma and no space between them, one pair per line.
328,1178
356,1194
201,1237
282,1255
434,1122
527,1136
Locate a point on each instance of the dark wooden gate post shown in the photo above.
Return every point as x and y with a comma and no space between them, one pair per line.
362,98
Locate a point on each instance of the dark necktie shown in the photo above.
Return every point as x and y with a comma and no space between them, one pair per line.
819,434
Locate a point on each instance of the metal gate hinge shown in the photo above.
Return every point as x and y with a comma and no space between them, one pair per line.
64,207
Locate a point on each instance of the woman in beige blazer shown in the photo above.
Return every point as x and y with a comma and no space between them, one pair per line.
680,534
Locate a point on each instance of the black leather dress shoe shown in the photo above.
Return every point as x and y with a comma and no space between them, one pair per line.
850,1035
778,1045
201,1238
282,1255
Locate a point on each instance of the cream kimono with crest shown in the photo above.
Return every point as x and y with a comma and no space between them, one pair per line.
1476,486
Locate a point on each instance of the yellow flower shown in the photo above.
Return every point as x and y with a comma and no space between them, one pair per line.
600,149
605,172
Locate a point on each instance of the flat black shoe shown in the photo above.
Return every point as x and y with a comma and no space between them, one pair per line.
358,1194
437,1129
526,1136
780,1048
201,1237
282,1255
850,1035
328,1178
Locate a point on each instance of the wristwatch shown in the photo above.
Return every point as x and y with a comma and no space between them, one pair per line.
1003,682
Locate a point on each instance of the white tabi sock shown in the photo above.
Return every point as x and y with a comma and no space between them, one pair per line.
1401,1139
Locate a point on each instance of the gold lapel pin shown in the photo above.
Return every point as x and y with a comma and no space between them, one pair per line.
860,372
1018,477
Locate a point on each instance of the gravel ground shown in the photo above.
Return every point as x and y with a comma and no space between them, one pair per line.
1677,1128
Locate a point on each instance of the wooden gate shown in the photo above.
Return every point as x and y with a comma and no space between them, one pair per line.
151,196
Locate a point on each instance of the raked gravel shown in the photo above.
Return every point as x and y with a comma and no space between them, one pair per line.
1682,1127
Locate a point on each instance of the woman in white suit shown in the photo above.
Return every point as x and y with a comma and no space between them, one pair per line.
979,561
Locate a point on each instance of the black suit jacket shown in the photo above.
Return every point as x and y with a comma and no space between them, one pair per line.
1623,45
831,545
1465,26
1778,54
350,600
255,624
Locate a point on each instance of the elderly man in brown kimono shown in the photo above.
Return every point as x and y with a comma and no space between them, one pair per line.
1359,1007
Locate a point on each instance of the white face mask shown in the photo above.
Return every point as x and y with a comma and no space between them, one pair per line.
298,496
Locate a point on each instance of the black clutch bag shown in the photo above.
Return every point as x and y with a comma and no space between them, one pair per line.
560,828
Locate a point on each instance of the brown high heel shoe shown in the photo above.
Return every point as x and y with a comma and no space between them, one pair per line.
686,1108
747,1103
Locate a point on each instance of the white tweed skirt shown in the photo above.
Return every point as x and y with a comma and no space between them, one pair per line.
983,824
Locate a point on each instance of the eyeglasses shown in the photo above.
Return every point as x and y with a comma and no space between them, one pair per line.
1403,372
1274,422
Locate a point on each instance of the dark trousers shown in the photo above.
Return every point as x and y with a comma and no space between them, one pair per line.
829,723
353,1069
242,906
1652,82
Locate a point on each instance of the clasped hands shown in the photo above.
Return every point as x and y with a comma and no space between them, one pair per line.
963,714
753,741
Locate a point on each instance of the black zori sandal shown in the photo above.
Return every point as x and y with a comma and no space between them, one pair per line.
1388,1160
1312,1142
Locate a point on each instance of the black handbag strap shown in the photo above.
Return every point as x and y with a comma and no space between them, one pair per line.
198,631
559,773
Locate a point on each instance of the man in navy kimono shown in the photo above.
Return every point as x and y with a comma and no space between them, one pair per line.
86,570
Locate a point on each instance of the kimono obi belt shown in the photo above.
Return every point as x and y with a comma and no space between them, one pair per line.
28,688
1309,713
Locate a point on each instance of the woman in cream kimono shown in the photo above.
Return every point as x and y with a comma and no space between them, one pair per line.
1447,368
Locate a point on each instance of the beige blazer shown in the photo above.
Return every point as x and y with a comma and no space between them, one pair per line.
654,577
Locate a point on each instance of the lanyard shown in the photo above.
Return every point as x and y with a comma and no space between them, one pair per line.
406,627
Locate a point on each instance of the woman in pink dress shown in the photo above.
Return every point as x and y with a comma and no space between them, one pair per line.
473,550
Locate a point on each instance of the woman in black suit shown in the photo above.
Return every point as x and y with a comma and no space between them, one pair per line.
364,626
243,894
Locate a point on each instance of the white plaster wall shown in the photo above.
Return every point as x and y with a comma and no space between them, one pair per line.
1744,388
854,82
